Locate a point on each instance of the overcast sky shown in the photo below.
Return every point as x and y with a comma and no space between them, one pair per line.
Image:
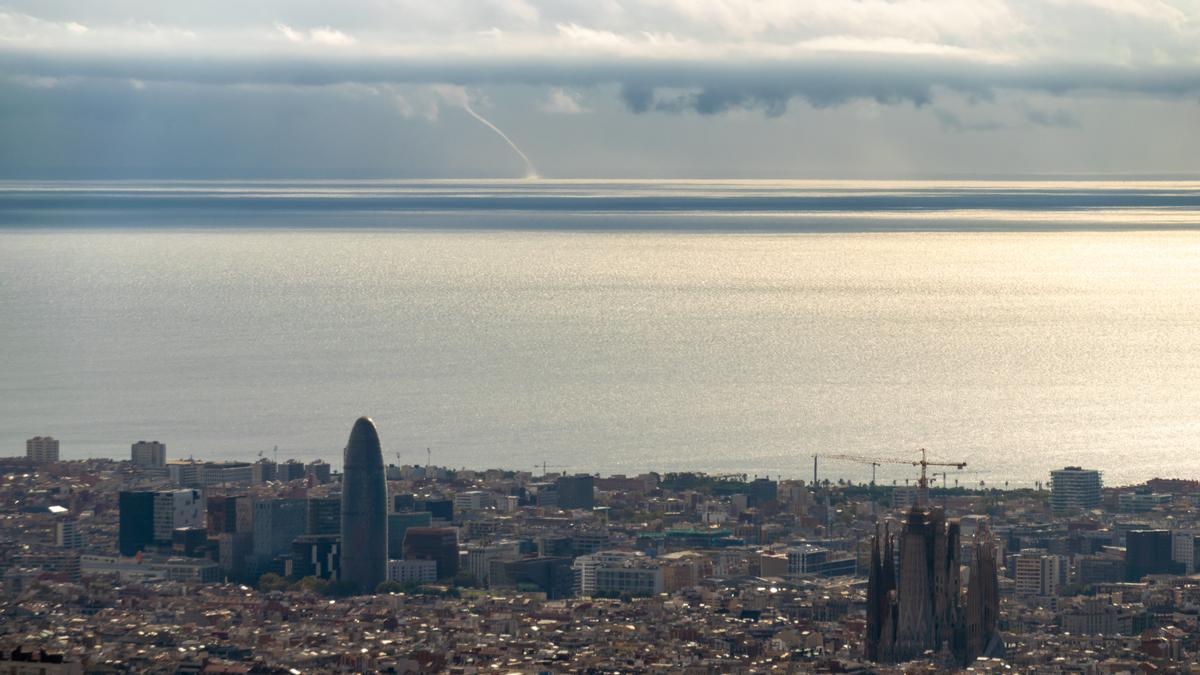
599,88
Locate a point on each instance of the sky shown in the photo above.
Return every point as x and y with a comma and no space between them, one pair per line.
599,88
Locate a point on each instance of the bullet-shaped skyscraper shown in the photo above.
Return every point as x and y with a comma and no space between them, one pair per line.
364,509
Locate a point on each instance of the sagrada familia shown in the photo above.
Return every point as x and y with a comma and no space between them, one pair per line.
922,611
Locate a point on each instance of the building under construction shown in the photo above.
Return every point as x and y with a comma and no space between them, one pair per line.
921,610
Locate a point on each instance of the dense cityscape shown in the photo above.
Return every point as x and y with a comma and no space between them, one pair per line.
148,564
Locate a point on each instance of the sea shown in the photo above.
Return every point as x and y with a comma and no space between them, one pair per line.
612,327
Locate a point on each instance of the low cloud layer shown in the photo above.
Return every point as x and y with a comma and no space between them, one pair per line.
704,56
651,71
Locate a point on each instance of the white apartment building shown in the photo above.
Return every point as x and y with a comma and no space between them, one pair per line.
1183,549
1038,574
472,500
412,571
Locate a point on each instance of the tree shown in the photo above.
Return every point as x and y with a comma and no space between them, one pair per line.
389,587
272,582
311,585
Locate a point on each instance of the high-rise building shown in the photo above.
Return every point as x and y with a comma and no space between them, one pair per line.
1183,548
41,449
66,533
576,492
148,518
434,543
398,524
136,528
919,607
325,515
316,555
1038,573
222,514
364,509
1149,552
1074,488
148,454
190,542
277,523
763,491
177,508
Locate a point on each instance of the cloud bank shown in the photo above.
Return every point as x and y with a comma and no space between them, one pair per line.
702,56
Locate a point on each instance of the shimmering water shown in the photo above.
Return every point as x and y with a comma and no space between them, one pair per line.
1051,336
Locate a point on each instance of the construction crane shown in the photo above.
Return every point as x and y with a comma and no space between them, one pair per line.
855,458
924,463
545,466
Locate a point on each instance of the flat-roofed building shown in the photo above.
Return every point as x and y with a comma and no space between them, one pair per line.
41,449
1074,488
148,454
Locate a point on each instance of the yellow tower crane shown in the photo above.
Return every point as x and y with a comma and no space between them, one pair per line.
924,463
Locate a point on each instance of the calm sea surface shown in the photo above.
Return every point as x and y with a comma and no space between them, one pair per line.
611,327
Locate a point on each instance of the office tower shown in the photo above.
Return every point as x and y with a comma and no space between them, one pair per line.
1038,573
136,527
149,517
442,509
148,454
1074,488
177,508
1149,552
41,449
575,492
190,541
553,576
398,524
277,523
364,509
222,514
316,555
763,491
325,515
434,543
404,502
918,607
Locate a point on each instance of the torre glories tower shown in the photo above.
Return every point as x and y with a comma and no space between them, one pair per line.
364,509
